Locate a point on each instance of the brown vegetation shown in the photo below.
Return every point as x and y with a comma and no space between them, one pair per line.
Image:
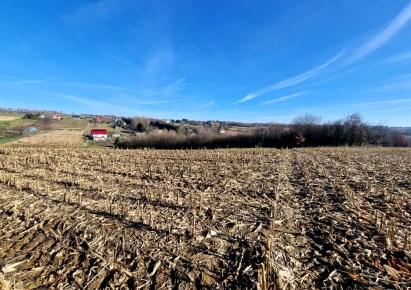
58,138
249,219
305,131
9,118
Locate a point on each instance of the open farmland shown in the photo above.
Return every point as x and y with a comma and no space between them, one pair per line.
331,218
57,138
9,118
67,123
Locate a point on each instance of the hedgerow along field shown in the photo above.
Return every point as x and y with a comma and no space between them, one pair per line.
330,218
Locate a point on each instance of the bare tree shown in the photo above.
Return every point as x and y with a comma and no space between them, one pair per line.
20,129
48,119
376,134
355,129
306,122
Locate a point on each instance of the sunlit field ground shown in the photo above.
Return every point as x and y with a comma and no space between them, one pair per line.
332,218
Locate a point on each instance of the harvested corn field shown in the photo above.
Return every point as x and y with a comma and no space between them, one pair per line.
9,118
56,138
321,218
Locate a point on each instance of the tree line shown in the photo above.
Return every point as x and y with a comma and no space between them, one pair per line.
304,131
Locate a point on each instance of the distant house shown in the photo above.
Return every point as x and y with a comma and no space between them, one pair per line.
56,116
99,134
101,119
76,117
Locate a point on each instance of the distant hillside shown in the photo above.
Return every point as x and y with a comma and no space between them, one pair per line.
404,130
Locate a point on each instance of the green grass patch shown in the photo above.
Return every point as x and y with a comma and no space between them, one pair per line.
10,124
4,140
67,124
12,114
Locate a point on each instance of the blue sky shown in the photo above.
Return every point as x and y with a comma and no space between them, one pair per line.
252,61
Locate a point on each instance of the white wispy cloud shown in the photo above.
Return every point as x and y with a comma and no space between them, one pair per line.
291,81
398,58
20,81
168,93
161,94
156,102
120,59
386,102
347,57
159,61
31,82
278,100
90,104
383,36
173,88
77,99
210,103
94,86
97,11
391,87
170,90
395,110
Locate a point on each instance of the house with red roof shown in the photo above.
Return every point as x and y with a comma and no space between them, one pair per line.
101,119
99,134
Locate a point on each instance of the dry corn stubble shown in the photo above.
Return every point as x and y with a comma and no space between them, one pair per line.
257,218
